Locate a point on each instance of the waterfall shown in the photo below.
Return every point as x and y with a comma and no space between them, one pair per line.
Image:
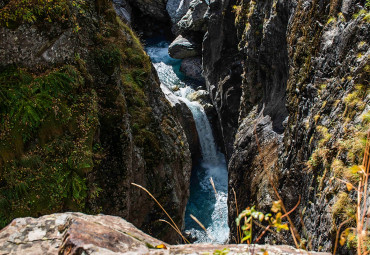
207,143
204,204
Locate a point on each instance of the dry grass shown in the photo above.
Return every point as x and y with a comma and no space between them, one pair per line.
174,226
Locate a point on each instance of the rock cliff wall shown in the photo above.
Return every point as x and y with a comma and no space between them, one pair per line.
83,116
303,64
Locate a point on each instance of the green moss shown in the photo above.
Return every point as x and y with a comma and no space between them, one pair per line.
354,100
49,120
108,58
17,12
343,208
358,14
366,18
331,20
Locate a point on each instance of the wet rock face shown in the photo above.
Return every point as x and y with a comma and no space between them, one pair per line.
322,116
192,67
222,68
77,233
186,119
262,42
136,136
184,47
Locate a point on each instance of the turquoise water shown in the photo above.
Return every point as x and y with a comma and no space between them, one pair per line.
209,208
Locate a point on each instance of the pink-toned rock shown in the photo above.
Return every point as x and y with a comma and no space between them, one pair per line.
77,233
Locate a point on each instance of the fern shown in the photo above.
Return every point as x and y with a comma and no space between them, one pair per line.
27,100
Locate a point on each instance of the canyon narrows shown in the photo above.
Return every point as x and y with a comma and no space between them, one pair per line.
204,203
270,99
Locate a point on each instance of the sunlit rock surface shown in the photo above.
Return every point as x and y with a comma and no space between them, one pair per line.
77,233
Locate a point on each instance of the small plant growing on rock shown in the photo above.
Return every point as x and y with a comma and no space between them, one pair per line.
251,214
358,235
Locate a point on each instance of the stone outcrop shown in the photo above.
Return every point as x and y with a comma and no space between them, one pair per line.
104,124
184,47
192,67
76,233
262,107
176,9
194,19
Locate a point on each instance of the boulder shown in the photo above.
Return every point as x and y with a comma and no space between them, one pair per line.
192,67
194,19
176,9
183,47
77,233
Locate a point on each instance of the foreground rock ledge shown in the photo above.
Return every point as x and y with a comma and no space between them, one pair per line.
77,233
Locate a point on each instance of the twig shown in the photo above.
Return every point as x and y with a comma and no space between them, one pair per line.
238,230
343,181
295,207
293,231
213,185
294,238
366,164
171,226
264,232
337,236
150,194
202,226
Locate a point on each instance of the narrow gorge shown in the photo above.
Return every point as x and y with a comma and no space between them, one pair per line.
213,106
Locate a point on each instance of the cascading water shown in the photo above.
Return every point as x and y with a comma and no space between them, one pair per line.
208,207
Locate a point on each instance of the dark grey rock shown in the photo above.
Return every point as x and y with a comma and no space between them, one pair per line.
194,19
176,9
123,9
275,71
222,69
192,67
186,119
153,8
126,159
184,47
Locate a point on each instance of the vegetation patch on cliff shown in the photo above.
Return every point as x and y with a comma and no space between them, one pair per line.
47,124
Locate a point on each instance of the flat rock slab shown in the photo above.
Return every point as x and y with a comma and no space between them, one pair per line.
77,233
